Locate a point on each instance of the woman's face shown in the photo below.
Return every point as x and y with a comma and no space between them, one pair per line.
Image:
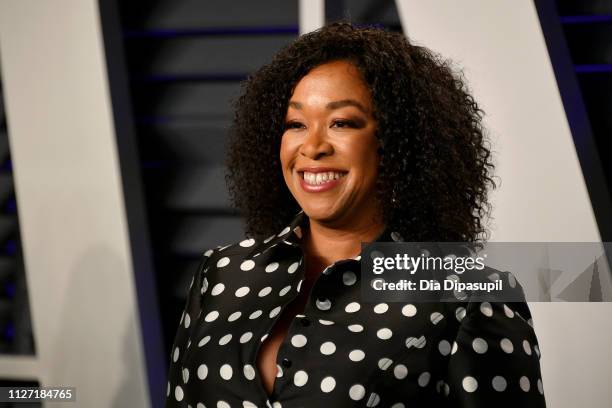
329,149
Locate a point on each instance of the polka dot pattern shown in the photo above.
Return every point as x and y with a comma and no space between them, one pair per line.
339,350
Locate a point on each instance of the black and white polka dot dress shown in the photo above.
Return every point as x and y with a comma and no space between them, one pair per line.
341,352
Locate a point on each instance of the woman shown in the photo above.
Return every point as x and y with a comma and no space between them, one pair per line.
349,135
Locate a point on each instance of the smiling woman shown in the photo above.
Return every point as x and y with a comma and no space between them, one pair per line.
349,135
329,148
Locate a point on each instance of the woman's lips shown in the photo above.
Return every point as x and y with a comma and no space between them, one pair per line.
317,182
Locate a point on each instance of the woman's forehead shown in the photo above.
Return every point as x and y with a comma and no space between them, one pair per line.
332,84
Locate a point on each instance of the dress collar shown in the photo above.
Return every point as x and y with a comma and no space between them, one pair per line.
292,233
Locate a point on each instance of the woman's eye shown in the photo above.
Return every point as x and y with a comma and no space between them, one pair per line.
293,125
343,123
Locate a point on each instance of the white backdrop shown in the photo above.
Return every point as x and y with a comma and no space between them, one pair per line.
542,197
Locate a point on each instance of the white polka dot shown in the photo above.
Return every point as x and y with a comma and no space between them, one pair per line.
222,404
400,371
381,308
436,317
409,310
265,291
284,290
537,350
255,314
356,355
176,354
328,384
270,238
511,280
178,393
265,336
202,371
247,265
299,285
225,339
284,231
226,371
480,345
506,345
246,337
323,304
486,309
384,333
208,253
416,342
469,384
271,267
373,400
300,378
248,404
249,372
460,313
223,262
349,278
352,307
279,371
187,320
444,347
499,383
204,286
185,375
204,340
524,383
168,389
540,386
355,328
276,404
384,363
509,312
298,340
211,316
326,322
395,236
454,349
243,291
217,289
293,267
274,312
423,379
247,243
357,392
527,347
398,405
234,316
328,348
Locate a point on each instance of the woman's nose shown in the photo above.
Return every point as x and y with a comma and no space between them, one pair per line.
316,144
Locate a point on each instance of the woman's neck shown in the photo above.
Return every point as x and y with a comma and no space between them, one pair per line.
324,245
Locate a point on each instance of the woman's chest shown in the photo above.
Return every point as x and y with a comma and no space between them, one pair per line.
314,344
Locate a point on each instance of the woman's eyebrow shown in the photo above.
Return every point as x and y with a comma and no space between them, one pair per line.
334,105
346,102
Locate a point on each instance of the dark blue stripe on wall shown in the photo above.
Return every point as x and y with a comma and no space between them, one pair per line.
192,78
215,31
585,19
593,68
577,117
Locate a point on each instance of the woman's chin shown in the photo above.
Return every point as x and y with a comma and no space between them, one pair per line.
323,213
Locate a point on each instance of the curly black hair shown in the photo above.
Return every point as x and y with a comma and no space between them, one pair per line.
435,160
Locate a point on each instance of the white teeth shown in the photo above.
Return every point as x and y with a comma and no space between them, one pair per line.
320,178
